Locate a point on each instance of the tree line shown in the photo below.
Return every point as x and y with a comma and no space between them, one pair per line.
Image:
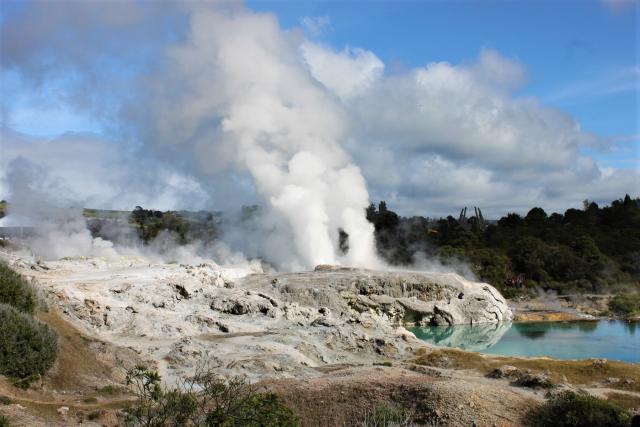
594,249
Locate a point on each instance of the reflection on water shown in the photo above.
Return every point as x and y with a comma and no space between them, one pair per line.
528,332
615,340
468,337
631,327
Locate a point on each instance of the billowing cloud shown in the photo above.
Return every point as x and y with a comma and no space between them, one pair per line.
346,73
87,170
442,136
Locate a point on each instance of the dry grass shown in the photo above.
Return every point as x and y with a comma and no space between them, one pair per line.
347,401
624,400
77,366
578,372
545,316
79,378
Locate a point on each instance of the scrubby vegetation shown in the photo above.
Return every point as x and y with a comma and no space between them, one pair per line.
625,304
15,291
593,249
204,400
149,223
28,348
569,409
4,421
186,226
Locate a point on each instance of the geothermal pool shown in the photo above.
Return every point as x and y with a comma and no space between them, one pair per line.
611,339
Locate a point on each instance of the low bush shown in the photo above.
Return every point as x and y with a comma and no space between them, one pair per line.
204,400
27,348
15,291
569,409
4,421
625,304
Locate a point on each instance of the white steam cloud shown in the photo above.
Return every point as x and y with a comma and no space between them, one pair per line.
247,98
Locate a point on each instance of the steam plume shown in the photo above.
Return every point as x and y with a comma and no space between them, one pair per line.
245,98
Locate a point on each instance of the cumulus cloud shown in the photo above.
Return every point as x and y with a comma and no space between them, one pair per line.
442,136
346,73
315,26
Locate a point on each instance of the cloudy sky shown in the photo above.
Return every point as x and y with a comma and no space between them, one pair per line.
498,104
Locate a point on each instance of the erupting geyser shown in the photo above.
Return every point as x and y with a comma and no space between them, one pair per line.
247,99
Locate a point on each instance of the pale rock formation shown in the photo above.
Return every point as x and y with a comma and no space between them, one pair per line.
239,320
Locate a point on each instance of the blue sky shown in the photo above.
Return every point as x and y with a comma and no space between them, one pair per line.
69,68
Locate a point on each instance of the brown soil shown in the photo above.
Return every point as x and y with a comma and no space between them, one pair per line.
444,398
85,368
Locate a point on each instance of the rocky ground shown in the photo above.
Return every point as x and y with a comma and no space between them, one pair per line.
240,320
551,307
330,342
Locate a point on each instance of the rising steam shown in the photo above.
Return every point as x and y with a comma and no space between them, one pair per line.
236,94
246,99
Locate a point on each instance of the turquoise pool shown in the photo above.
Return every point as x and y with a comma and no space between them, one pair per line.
611,339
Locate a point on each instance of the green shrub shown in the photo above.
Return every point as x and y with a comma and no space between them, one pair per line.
4,421
569,409
625,304
27,348
15,291
204,400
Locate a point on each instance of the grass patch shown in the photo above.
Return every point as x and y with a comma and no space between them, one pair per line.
624,400
4,421
559,371
387,416
569,409
112,390
89,400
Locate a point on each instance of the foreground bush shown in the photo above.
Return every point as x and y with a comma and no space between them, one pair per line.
204,400
15,291
27,348
569,409
625,304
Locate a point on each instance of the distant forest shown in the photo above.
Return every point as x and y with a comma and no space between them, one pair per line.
592,249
